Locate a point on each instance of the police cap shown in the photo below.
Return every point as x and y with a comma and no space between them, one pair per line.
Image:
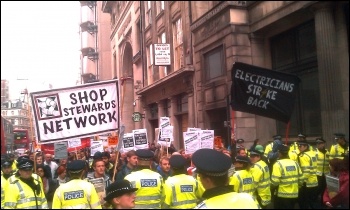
144,154
302,142
300,135
277,137
6,162
76,166
339,136
240,141
242,159
22,158
211,162
258,150
118,188
177,161
25,164
282,148
320,140
98,155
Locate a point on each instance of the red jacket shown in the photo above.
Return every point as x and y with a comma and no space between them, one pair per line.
342,198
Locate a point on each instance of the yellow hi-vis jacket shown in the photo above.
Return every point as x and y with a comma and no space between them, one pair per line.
180,192
76,194
287,175
261,176
308,164
322,163
35,176
337,152
150,188
243,181
4,184
19,195
232,200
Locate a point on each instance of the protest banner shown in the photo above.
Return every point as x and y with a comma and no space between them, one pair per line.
263,92
140,139
76,112
207,139
128,142
61,150
191,142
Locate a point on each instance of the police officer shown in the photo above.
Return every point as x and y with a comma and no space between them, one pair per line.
121,195
285,179
242,179
212,167
6,172
261,176
340,149
34,175
77,193
308,163
322,155
181,190
148,182
271,152
23,191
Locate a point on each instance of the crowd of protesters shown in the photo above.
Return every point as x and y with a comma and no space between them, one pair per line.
273,176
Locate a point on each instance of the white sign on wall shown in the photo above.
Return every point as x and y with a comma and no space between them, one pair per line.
162,54
76,112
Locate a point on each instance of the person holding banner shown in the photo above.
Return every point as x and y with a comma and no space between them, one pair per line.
340,199
212,168
148,182
77,193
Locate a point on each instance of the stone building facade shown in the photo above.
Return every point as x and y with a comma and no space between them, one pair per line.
305,38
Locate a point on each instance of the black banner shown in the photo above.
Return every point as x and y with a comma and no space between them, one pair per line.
263,91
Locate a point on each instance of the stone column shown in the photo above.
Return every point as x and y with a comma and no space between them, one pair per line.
343,52
333,119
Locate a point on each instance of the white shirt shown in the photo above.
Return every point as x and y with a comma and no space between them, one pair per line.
53,167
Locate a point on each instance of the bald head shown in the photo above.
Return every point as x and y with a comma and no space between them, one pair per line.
48,158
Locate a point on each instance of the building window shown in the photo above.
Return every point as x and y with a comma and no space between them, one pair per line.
214,64
153,110
182,103
294,52
166,107
163,70
150,63
178,44
148,13
160,6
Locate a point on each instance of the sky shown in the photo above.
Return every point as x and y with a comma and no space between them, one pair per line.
40,45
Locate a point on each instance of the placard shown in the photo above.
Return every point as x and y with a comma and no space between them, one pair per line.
207,139
333,185
162,54
96,146
191,142
100,187
128,142
140,139
61,150
72,143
